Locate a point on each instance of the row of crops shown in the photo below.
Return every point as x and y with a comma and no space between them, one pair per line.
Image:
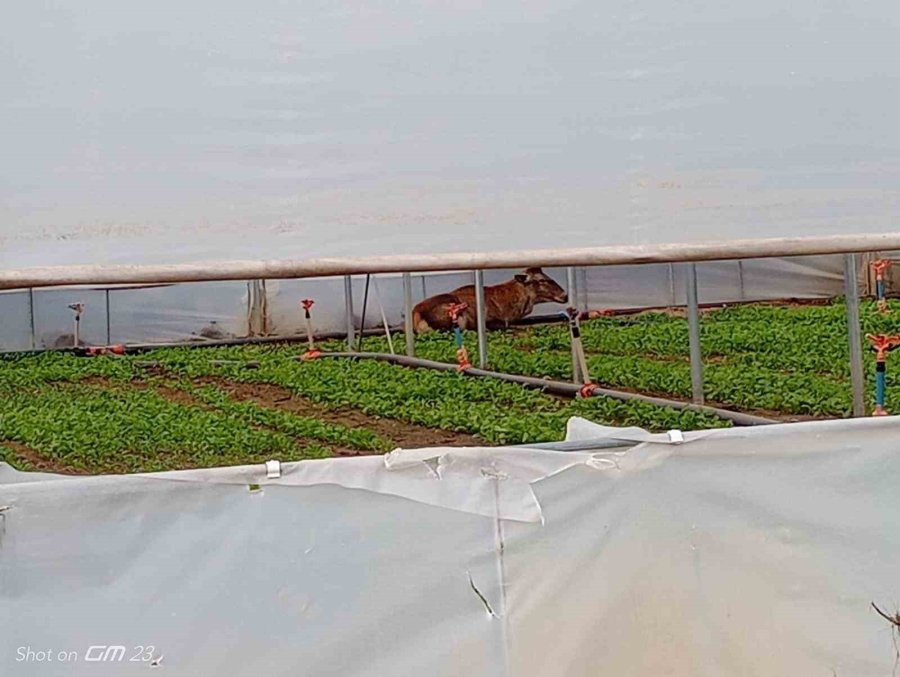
113,414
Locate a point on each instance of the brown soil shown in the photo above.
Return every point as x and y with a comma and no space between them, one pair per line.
399,433
406,435
38,462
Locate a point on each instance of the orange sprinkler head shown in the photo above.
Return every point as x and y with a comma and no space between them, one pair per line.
462,359
882,344
455,309
311,354
587,390
94,351
880,267
594,314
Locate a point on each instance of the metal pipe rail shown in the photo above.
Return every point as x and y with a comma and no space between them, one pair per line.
559,387
55,276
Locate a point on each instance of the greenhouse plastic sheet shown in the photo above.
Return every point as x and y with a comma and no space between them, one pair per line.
218,129
746,551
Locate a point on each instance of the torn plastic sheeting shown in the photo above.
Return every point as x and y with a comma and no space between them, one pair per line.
580,429
493,483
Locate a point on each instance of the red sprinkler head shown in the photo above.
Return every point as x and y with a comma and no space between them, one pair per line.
455,310
882,344
594,314
307,304
587,390
880,267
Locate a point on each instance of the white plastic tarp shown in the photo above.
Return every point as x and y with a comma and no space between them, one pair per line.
746,551
170,132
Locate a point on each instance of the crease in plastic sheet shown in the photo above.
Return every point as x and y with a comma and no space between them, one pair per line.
463,479
488,481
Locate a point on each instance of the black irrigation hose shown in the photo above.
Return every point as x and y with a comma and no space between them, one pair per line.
560,387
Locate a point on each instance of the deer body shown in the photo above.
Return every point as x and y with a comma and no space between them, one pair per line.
503,303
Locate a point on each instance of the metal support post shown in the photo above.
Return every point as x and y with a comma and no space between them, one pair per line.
408,329
857,378
572,289
348,306
480,319
693,313
108,333
31,317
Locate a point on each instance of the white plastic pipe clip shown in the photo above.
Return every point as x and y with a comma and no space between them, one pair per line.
273,469
675,436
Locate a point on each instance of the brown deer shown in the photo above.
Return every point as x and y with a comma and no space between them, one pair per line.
503,303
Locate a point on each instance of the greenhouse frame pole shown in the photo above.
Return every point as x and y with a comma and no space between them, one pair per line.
480,319
408,328
854,335
693,313
348,308
581,282
204,271
108,333
31,317
572,289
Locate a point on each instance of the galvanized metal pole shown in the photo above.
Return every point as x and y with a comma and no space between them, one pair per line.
857,376
264,307
408,328
673,297
31,317
582,284
572,289
720,250
693,313
108,339
572,286
480,319
348,307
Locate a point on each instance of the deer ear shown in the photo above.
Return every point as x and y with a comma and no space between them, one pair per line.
521,278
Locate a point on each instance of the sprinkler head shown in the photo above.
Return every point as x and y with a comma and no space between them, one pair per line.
880,267
882,344
455,309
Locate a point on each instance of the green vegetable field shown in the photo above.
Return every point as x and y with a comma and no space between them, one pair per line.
195,407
